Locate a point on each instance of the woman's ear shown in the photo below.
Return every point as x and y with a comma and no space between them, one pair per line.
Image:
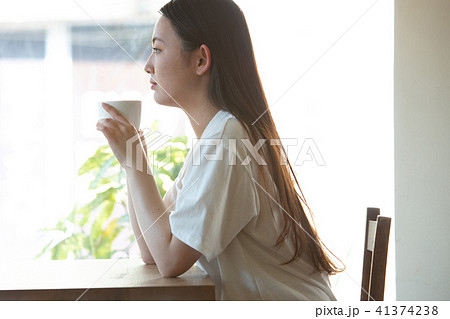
203,60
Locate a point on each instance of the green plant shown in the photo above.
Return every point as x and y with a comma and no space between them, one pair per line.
92,230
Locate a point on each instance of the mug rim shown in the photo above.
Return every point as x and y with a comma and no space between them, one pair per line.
121,101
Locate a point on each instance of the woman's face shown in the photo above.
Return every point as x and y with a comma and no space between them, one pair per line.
167,66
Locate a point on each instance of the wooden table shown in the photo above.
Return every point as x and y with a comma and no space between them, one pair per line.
99,279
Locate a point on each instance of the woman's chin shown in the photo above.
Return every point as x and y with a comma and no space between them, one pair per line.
166,101
160,100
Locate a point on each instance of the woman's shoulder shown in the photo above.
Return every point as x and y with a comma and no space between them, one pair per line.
234,129
236,141
226,133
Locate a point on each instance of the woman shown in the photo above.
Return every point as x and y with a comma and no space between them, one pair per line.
234,208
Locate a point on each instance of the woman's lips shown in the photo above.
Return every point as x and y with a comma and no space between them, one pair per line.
153,84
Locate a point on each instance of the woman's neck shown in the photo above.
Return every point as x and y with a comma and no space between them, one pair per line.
200,117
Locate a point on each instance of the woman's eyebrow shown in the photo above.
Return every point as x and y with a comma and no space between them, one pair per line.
156,38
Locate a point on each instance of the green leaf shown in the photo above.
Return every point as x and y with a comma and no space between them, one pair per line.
106,212
44,250
159,183
61,225
100,181
80,240
87,244
72,215
103,249
125,218
99,178
180,139
95,162
175,170
99,199
61,250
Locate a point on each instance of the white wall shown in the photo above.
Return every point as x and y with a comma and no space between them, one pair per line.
422,149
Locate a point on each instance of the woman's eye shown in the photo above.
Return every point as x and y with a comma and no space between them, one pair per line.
155,49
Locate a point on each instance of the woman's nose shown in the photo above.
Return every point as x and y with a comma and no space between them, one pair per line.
148,66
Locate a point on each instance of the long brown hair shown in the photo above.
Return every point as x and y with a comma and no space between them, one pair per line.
236,87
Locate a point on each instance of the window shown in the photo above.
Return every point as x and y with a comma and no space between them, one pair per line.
22,45
327,70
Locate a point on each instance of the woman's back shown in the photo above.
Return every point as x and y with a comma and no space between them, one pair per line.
221,209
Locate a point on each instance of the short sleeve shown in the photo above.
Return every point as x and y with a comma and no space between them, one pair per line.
216,201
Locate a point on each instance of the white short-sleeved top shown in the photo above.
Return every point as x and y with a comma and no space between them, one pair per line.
217,208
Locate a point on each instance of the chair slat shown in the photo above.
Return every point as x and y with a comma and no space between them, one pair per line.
372,214
379,258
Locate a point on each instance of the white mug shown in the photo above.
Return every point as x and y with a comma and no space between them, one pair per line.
131,110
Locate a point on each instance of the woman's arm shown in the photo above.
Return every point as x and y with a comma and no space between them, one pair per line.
172,256
145,252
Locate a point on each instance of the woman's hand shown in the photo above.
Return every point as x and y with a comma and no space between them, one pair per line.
118,131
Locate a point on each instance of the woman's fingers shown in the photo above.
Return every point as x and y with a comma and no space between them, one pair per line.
115,129
116,115
100,125
103,124
118,134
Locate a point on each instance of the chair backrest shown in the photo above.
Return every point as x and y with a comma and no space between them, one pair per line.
375,255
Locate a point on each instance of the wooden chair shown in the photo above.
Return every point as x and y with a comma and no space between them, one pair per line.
375,255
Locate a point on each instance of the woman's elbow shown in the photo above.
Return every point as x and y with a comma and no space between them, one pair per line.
171,272
148,261
169,275
166,273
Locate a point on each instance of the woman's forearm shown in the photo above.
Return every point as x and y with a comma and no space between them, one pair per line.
145,252
150,212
